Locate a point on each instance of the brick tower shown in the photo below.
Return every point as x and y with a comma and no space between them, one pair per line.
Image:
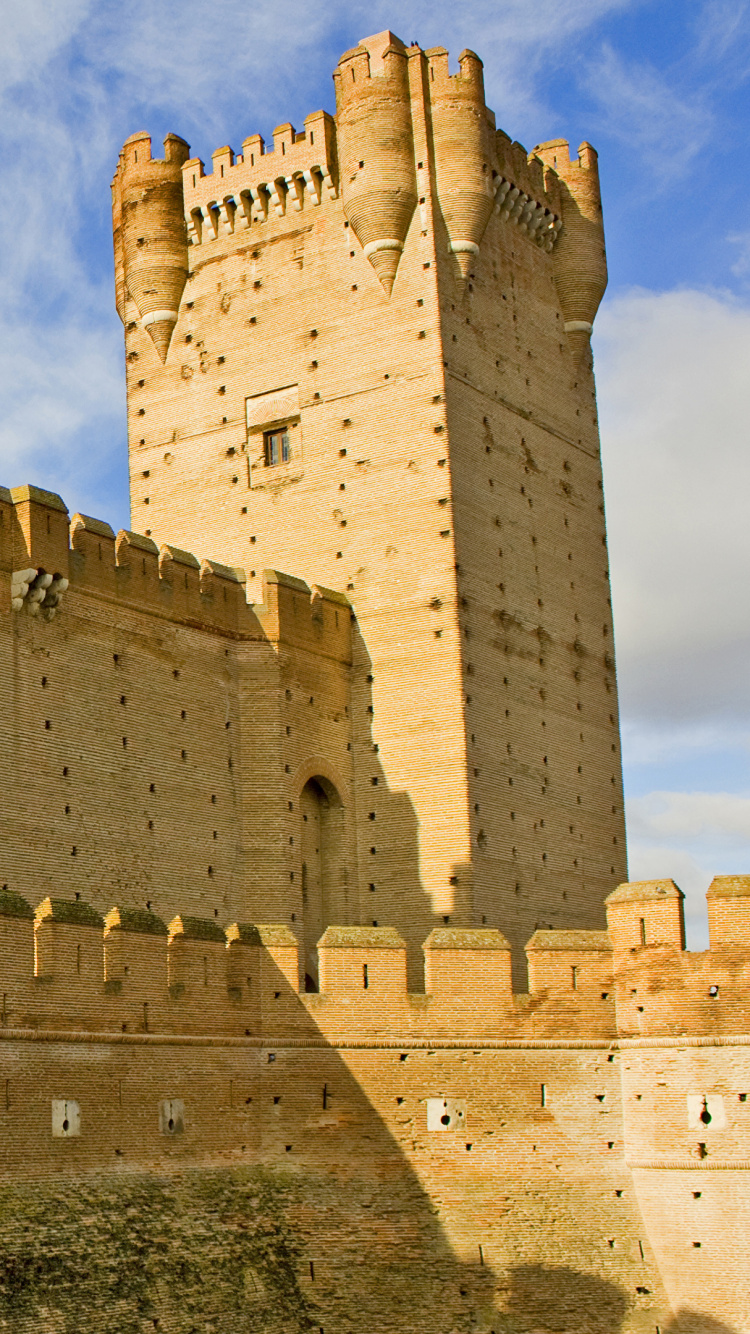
363,357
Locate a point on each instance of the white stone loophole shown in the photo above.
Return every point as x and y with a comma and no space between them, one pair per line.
445,1114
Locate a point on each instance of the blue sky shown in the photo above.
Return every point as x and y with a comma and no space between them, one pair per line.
661,88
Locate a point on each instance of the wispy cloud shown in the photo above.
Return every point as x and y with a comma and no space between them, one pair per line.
63,424
33,33
693,816
722,35
645,107
651,860
741,266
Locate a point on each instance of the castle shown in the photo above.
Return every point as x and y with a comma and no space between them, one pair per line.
326,1003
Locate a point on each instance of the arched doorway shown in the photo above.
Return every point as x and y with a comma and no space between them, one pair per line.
324,877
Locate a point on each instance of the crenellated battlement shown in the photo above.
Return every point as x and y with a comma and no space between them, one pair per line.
46,559
248,189
366,152
382,56
470,76
67,966
661,987
580,260
244,191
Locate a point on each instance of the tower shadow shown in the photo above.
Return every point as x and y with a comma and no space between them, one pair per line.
688,1321
320,1202
545,1297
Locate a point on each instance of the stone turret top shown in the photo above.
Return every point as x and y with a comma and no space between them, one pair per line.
729,887
638,891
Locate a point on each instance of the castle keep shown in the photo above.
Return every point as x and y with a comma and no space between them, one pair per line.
398,303
326,1003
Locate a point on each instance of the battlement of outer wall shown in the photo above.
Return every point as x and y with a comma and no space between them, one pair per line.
45,557
67,967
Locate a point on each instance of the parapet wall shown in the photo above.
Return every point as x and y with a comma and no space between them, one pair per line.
245,189
662,989
195,1049
66,966
156,729
45,557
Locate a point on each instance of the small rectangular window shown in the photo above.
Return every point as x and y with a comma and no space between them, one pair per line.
276,446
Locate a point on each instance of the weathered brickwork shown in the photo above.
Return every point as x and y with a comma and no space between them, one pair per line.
158,732
309,1017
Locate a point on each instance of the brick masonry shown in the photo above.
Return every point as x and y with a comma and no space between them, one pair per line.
444,467
310,1019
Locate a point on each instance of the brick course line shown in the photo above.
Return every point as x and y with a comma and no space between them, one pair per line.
334,1044
687,1165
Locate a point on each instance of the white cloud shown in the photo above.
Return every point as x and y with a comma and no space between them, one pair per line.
33,32
693,817
656,861
225,62
741,266
63,422
722,29
673,393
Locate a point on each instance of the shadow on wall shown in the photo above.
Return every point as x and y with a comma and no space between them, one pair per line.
695,1322
392,890
292,1209
302,1204
542,1297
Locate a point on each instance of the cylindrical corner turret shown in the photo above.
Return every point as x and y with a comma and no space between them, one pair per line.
580,260
150,237
463,131
376,149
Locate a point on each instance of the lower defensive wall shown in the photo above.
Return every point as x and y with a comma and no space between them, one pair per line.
192,1142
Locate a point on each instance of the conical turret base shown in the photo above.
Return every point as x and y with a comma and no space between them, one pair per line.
160,333
464,254
385,264
579,341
